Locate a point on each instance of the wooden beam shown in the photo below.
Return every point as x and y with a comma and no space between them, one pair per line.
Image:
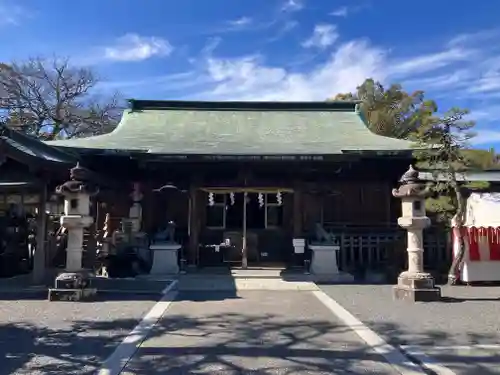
263,190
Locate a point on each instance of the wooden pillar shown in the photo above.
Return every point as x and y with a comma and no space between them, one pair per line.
194,221
297,210
244,250
39,264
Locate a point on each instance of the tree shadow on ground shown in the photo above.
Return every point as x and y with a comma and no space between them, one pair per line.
100,297
438,345
229,344
224,344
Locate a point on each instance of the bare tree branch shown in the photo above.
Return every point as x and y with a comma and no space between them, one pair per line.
50,98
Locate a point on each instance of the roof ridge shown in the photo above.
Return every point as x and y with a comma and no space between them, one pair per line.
324,106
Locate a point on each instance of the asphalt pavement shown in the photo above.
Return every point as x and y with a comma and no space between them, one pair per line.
461,333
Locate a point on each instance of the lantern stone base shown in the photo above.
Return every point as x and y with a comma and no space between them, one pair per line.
165,258
72,286
324,266
418,287
74,295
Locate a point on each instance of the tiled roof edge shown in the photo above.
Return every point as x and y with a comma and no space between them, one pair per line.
324,106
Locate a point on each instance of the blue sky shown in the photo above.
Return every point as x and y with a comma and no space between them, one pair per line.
271,49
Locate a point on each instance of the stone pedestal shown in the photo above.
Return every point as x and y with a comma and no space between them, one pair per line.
165,258
416,288
414,284
324,264
72,286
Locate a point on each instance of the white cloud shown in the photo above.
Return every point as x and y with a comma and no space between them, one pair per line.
345,11
323,36
486,113
211,45
468,38
249,78
133,47
292,6
242,21
432,61
459,73
485,137
287,27
462,72
441,71
340,12
13,14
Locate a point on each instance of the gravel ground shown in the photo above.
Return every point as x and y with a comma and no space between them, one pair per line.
466,317
41,337
252,332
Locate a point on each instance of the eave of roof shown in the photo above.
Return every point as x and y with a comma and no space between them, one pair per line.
472,176
292,106
29,147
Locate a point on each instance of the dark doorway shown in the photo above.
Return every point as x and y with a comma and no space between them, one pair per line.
234,213
256,215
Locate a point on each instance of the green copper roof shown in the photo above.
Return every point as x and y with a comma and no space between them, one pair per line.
240,128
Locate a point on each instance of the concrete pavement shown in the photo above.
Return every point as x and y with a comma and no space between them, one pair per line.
252,332
38,337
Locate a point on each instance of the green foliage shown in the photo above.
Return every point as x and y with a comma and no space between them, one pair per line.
443,148
442,206
396,113
441,141
391,112
482,159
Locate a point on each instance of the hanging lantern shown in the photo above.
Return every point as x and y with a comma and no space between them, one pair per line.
261,200
231,198
211,199
279,198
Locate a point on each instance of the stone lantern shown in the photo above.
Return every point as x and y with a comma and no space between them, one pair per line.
74,284
414,284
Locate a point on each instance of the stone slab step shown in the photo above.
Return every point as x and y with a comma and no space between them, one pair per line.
130,284
231,284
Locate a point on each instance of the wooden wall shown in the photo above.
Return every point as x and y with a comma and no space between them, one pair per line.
359,203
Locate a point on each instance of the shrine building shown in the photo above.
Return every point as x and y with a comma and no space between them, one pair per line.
297,165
